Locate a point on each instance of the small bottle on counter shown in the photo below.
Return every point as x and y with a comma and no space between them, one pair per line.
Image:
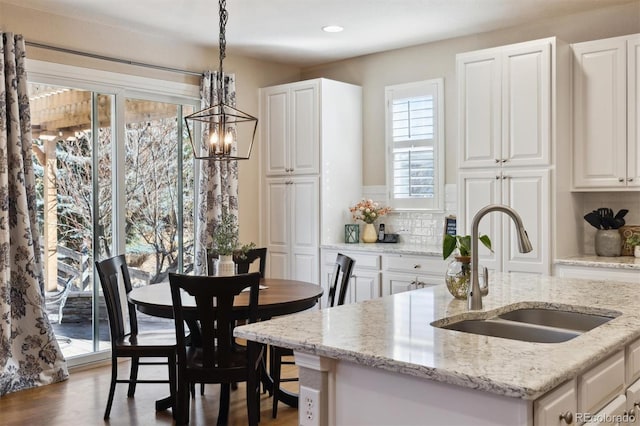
381,232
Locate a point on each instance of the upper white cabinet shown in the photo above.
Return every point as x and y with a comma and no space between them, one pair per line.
291,128
505,105
513,106
311,152
606,85
528,191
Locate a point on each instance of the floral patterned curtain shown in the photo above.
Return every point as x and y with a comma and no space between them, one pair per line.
218,183
29,353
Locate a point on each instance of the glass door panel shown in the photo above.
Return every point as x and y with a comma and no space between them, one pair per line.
63,150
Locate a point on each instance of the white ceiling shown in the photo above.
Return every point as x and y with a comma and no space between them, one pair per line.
289,31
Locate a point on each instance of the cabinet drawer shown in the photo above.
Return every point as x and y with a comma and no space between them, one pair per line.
601,384
414,264
363,260
633,361
562,401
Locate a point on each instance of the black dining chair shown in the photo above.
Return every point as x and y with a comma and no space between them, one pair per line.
217,359
339,284
126,340
243,263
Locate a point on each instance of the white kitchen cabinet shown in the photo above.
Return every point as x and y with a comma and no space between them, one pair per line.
292,215
505,105
310,131
290,124
606,112
558,407
365,277
409,272
525,190
612,414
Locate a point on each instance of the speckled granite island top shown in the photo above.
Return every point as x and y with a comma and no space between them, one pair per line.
619,262
394,333
389,248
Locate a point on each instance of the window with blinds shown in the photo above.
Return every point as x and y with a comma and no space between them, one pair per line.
415,167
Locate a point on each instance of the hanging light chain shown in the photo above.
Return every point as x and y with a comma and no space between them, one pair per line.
224,16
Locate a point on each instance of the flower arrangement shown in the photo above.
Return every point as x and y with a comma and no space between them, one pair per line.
368,211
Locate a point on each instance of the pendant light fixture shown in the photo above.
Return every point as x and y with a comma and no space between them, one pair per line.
221,122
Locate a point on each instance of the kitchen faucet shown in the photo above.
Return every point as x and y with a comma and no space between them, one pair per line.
474,296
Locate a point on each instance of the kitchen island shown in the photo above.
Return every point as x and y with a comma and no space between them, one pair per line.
382,362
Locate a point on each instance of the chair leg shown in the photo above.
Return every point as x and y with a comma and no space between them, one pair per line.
253,399
133,376
223,413
276,367
181,409
173,379
112,387
201,388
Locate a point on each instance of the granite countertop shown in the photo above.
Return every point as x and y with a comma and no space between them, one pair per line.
593,261
394,333
389,248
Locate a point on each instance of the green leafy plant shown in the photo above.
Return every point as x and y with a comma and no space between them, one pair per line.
225,237
633,240
462,243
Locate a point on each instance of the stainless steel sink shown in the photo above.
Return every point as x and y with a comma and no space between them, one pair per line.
541,325
513,330
553,318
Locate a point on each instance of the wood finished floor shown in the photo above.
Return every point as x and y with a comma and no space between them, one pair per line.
81,400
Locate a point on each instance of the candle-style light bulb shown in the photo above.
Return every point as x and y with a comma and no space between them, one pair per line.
228,139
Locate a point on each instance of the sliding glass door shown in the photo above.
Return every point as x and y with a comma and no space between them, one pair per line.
115,175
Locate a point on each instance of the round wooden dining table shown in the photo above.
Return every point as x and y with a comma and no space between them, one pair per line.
277,297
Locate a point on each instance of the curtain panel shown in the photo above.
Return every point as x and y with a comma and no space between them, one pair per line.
29,353
218,183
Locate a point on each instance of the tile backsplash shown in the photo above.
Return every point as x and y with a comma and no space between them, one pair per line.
614,200
416,227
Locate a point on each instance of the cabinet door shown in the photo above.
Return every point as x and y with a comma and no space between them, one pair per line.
304,221
397,283
479,109
526,104
476,190
559,402
612,414
633,111
305,128
528,193
277,229
633,399
600,110
364,285
275,129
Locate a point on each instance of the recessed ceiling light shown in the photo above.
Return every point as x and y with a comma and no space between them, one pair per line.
332,28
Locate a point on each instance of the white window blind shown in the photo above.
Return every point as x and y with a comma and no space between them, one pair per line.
414,145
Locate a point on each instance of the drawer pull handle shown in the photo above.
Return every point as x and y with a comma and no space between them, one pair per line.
567,417
620,179
416,266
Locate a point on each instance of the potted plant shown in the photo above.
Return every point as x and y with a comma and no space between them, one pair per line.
458,273
634,241
368,211
226,243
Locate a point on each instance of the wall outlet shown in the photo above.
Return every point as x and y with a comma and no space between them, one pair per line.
309,406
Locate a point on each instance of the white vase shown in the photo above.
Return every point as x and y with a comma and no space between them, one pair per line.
636,251
369,234
226,266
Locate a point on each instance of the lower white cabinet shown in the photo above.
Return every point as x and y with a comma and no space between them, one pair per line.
365,277
601,395
558,407
409,272
593,273
378,274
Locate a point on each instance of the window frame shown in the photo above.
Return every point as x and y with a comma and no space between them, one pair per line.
418,88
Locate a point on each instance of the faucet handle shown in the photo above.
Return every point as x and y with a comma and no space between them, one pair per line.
484,290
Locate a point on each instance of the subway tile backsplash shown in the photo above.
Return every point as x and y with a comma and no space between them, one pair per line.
416,227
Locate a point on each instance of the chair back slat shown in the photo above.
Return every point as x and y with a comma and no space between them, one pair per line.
214,298
116,285
340,279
